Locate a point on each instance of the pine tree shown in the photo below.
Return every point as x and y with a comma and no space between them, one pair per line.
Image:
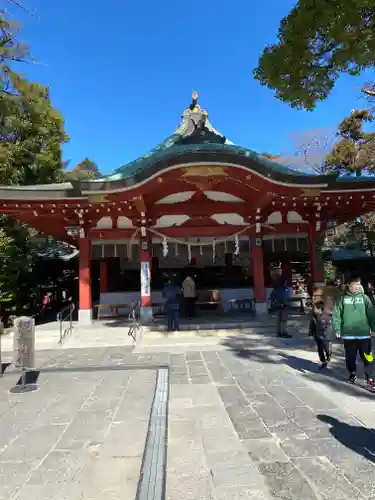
354,153
83,171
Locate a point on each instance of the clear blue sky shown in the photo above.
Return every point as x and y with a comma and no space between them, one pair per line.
121,72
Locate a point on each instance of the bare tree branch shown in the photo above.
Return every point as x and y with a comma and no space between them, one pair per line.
21,6
308,150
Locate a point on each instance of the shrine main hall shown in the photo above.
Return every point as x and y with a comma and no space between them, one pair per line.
198,204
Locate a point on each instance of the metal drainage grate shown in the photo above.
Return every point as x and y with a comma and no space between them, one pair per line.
153,473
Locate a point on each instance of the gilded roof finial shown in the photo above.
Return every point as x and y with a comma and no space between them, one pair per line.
194,104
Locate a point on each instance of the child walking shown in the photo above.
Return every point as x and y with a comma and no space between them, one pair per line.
354,321
321,330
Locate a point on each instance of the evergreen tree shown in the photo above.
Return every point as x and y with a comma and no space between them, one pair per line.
31,136
354,152
85,170
317,42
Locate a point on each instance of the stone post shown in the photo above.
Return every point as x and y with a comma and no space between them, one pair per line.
24,342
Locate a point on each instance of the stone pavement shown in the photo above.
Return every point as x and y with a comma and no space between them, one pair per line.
250,417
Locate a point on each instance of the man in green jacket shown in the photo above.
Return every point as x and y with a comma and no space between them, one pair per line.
353,320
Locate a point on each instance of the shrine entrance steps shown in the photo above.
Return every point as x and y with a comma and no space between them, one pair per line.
211,324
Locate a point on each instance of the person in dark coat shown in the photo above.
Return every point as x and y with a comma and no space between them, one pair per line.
172,295
321,331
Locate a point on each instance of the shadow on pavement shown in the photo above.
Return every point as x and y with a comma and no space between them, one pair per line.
273,353
356,438
335,377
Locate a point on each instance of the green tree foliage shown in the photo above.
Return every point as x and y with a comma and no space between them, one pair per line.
354,152
317,41
31,136
85,170
17,282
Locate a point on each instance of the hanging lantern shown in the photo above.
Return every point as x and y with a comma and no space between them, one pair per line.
165,247
236,246
189,253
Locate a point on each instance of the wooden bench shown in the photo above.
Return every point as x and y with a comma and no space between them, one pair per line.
112,310
209,299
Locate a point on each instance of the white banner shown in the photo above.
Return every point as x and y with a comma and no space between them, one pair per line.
145,279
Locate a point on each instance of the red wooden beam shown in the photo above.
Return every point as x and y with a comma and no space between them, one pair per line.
217,231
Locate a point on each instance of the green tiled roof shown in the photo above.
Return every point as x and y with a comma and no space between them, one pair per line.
163,152
193,136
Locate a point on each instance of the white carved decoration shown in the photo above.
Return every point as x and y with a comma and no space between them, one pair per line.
232,219
221,196
176,197
104,223
275,218
171,220
123,222
294,217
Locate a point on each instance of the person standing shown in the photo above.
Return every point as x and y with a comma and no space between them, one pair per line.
321,330
172,295
189,292
353,320
279,302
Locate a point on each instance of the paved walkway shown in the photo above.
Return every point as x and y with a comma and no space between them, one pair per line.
250,417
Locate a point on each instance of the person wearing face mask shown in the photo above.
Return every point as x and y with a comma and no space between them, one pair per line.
353,320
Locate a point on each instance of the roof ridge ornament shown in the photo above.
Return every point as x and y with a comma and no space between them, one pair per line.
194,106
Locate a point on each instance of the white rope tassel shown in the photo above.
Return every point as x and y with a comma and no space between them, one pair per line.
189,253
236,246
225,246
176,249
213,251
165,247
201,250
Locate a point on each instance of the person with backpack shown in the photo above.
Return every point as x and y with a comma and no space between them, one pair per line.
279,302
353,320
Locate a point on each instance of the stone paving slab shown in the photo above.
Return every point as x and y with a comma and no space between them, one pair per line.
249,418
79,436
277,431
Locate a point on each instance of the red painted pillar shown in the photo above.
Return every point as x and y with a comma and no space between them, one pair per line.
145,263
103,277
85,301
316,262
258,274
